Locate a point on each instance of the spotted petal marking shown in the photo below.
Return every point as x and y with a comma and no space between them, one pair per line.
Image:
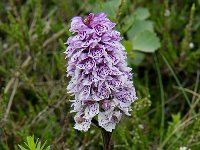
101,81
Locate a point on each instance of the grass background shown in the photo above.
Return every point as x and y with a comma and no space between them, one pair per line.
33,96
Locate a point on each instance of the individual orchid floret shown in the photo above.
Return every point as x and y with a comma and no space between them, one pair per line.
101,81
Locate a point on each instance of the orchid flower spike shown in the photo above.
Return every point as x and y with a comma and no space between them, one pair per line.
101,81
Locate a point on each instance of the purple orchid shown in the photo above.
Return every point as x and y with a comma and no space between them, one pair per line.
100,79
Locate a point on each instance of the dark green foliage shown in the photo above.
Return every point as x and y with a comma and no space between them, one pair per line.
163,48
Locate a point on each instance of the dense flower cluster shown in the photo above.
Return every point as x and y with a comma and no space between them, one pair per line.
100,79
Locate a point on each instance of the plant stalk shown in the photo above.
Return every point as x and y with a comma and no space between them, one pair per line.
106,136
107,142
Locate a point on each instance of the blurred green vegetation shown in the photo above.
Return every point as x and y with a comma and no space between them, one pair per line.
162,39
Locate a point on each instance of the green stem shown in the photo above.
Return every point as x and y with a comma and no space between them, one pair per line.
106,136
162,98
107,142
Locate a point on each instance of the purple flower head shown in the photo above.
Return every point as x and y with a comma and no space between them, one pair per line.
100,79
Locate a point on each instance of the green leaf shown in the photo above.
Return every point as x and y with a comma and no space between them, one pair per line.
134,57
43,145
146,41
127,22
137,59
128,46
109,7
142,13
38,146
32,145
48,148
31,142
22,148
176,118
139,26
141,31
137,21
